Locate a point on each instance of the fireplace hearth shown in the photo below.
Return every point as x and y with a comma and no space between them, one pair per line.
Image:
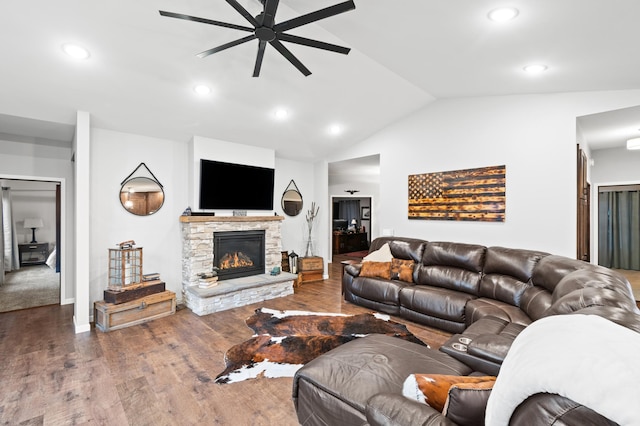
239,253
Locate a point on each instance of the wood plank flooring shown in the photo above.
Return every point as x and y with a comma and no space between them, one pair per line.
158,373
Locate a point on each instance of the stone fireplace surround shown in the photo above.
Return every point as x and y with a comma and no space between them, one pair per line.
197,258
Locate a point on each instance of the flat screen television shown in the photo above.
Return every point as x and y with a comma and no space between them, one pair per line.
235,186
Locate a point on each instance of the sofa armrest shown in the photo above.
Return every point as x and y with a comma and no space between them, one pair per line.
483,353
392,409
490,347
353,269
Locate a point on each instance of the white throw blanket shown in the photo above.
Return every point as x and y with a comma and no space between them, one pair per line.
586,358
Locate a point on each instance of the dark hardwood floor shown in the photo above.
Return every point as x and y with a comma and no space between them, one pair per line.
158,373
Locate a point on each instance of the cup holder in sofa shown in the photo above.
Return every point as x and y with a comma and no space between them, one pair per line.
472,353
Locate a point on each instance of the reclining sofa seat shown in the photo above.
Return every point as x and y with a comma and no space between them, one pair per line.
489,294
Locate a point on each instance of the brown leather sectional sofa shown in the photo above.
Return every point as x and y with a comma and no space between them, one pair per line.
487,295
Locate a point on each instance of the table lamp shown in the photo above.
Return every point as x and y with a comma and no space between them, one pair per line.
33,223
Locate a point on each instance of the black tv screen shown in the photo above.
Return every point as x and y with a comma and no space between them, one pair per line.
235,186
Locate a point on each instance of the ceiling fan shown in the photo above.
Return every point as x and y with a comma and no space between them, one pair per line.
265,30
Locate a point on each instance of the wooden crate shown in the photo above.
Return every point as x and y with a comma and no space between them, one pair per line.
109,316
312,263
134,292
309,276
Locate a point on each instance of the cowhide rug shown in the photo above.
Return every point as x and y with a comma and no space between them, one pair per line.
286,340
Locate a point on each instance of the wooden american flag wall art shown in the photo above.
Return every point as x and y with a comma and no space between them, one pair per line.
471,194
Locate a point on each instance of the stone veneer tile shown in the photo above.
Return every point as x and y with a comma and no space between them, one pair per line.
197,258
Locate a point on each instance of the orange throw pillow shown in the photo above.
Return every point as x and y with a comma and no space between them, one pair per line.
402,270
433,389
376,270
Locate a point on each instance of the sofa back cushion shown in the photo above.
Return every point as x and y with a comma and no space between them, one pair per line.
551,269
507,273
455,266
600,278
401,247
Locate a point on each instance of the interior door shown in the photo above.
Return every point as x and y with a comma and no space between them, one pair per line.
584,189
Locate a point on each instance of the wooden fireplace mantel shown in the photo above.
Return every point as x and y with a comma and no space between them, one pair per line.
196,219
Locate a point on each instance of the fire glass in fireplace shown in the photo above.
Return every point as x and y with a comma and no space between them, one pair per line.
239,253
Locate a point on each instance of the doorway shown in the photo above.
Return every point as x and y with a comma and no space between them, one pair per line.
33,276
619,226
350,226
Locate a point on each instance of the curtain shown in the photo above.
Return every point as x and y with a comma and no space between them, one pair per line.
9,234
349,209
619,229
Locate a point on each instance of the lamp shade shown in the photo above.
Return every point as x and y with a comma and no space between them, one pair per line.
633,143
33,222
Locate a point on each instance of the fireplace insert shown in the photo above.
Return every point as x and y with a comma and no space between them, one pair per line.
239,253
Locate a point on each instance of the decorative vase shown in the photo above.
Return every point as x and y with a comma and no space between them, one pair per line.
310,247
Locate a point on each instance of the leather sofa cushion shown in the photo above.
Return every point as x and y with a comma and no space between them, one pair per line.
604,278
507,273
379,290
483,307
553,268
516,263
385,409
401,247
543,409
587,297
456,255
362,368
535,301
437,302
454,266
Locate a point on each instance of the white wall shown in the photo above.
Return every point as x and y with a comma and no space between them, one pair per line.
228,152
294,228
533,136
114,156
617,165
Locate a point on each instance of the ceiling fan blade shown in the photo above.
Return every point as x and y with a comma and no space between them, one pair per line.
314,16
205,21
313,43
242,11
270,7
256,68
225,46
285,52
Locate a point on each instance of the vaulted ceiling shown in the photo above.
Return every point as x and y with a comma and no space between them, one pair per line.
404,54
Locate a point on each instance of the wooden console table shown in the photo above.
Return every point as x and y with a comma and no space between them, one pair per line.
350,242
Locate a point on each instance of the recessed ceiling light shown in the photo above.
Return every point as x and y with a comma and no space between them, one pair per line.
335,129
202,90
633,143
75,51
503,14
281,113
535,68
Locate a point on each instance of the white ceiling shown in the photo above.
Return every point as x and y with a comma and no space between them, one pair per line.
404,55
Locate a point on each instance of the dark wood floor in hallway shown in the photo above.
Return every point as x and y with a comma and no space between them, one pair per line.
158,373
